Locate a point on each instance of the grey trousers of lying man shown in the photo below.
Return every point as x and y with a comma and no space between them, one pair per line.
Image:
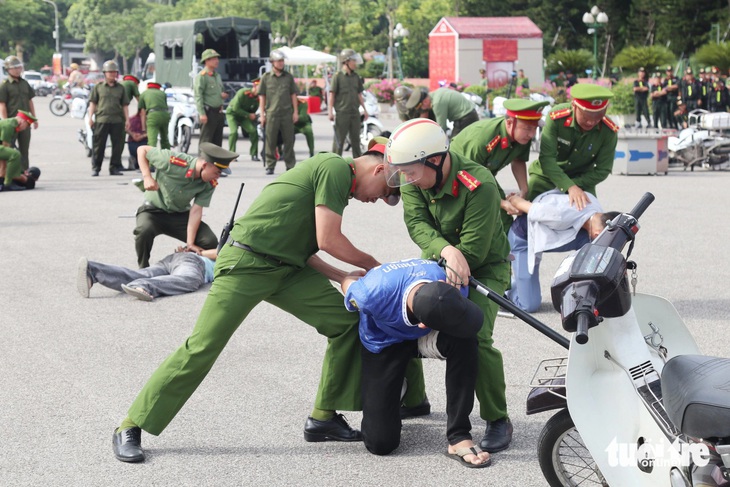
177,273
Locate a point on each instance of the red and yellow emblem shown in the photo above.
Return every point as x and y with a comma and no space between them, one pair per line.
559,114
178,161
610,124
468,180
214,182
493,143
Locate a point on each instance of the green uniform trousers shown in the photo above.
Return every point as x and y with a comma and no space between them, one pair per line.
152,222
274,126
22,140
347,125
306,130
247,126
157,125
491,386
13,169
212,131
243,280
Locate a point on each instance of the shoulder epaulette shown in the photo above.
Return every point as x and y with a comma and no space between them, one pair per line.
493,143
468,180
610,124
178,161
559,114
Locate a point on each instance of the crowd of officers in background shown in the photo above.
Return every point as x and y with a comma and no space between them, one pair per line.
672,98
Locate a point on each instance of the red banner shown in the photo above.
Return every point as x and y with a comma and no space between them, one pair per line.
499,50
442,60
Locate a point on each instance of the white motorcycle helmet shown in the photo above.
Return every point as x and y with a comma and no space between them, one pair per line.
409,148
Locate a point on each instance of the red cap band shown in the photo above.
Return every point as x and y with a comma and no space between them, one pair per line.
591,105
129,77
25,117
377,148
525,114
154,85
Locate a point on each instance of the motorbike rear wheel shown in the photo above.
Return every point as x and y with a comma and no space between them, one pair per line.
564,459
186,137
59,107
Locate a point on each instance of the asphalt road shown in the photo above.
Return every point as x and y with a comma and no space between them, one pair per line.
72,366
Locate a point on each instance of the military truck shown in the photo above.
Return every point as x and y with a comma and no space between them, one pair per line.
243,44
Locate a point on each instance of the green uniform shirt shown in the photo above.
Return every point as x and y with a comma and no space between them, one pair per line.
8,130
315,91
16,94
278,91
467,219
449,105
486,143
174,174
208,89
304,118
243,104
569,156
280,222
130,88
152,100
347,88
109,100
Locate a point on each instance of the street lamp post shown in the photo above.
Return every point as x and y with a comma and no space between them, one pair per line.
399,33
55,32
595,19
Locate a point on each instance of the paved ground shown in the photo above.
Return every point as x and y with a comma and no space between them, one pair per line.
71,366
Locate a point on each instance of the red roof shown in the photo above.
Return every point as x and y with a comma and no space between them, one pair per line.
494,27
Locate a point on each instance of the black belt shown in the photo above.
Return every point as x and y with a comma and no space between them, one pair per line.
249,249
153,110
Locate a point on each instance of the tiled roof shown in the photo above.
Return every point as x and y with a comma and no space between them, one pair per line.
494,27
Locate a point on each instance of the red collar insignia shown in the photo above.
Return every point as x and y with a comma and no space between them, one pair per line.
455,188
505,143
189,174
568,121
214,182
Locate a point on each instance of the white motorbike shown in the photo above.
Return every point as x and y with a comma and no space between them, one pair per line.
184,119
66,101
704,143
638,405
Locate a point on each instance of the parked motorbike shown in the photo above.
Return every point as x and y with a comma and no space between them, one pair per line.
704,143
638,405
372,127
62,103
183,119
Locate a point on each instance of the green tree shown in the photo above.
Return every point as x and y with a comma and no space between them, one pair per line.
713,54
24,26
576,61
632,58
86,21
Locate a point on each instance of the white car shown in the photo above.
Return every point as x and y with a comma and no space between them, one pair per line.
36,81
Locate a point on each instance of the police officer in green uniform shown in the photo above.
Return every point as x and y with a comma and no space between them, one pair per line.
278,111
167,209
401,95
304,125
451,209
671,86
241,112
131,86
641,96
658,101
577,146
447,105
270,257
496,142
155,115
10,158
17,94
209,94
345,100
108,117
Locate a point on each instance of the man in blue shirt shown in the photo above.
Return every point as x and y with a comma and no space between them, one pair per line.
407,310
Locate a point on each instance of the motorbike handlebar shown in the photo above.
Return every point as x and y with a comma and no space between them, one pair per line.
642,205
581,331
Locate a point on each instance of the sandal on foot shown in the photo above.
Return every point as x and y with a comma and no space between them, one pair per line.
462,452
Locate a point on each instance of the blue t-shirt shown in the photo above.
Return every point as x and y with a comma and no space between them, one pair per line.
381,297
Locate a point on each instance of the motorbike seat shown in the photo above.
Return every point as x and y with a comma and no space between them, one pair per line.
696,393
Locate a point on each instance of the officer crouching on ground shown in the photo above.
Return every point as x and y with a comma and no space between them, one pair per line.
179,179
10,158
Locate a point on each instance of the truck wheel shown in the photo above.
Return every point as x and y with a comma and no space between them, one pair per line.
59,107
186,137
564,459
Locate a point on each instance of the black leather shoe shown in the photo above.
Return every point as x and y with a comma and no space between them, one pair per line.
423,409
255,158
269,171
498,436
116,172
94,173
128,445
334,429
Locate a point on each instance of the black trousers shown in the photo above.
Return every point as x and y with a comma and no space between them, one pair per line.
382,380
23,143
212,131
464,122
115,131
152,222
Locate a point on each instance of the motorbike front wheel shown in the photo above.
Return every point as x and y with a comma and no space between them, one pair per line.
564,459
186,136
59,107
